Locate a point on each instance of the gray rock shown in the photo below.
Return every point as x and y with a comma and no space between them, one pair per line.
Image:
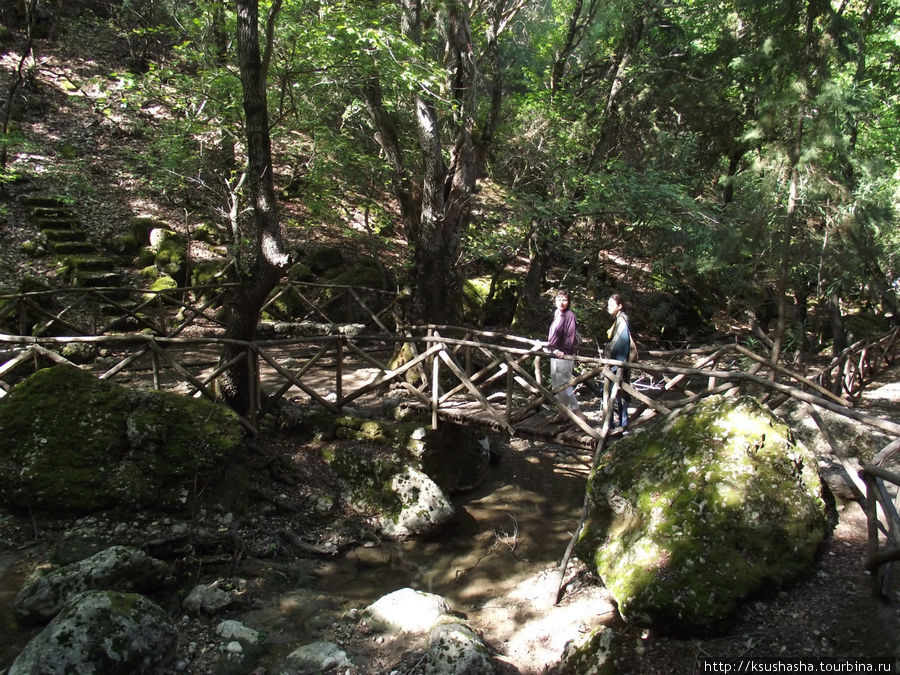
102,632
235,630
455,649
690,519
205,599
75,444
120,568
406,610
594,652
317,657
424,506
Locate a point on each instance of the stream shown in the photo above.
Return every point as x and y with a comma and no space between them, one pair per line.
518,521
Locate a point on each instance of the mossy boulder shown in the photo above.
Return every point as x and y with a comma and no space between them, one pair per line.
597,652
141,226
126,244
170,251
400,500
367,276
210,234
455,457
103,632
300,272
490,303
77,444
691,519
321,259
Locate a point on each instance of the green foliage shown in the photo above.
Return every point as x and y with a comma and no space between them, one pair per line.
665,134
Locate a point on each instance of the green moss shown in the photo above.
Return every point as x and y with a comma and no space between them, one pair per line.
141,226
366,478
300,272
77,443
363,273
125,244
171,256
691,519
208,233
323,258
594,653
204,273
163,283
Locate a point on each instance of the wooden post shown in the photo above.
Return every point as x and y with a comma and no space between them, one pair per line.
253,371
154,364
711,381
468,358
435,390
23,317
586,505
339,369
509,387
872,522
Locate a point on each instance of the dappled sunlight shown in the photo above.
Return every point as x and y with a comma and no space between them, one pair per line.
496,561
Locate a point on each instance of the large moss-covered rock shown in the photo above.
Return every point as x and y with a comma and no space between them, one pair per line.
689,520
103,632
170,251
455,457
75,443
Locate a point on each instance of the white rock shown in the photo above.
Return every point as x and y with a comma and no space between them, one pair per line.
407,610
235,630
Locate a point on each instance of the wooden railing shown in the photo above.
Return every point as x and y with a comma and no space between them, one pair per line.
882,502
471,376
857,365
175,338
92,311
450,372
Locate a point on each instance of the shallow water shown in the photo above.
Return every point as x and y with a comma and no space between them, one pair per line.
519,521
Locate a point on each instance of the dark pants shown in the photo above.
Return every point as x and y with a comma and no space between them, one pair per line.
620,405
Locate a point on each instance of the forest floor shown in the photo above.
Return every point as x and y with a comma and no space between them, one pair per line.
495,564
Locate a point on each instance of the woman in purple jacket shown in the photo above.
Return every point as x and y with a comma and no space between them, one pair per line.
561,342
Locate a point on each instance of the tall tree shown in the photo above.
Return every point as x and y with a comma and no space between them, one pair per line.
430,143
262,260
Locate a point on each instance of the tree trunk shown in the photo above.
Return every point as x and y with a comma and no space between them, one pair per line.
446,191
838,336
528,308
794,153
261,265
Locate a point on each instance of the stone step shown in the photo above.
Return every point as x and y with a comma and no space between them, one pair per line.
32,202
54,235
95,279
117,310
62,248
67,223
92,262
45,212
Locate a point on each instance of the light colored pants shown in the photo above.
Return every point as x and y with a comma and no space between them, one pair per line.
560,373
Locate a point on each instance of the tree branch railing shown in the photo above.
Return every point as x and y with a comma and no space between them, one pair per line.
850,371
882,518
458,371
95,311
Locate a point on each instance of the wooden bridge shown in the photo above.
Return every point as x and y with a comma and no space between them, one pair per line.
344,349
341,349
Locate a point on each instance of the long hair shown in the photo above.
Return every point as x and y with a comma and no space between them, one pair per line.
620,301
